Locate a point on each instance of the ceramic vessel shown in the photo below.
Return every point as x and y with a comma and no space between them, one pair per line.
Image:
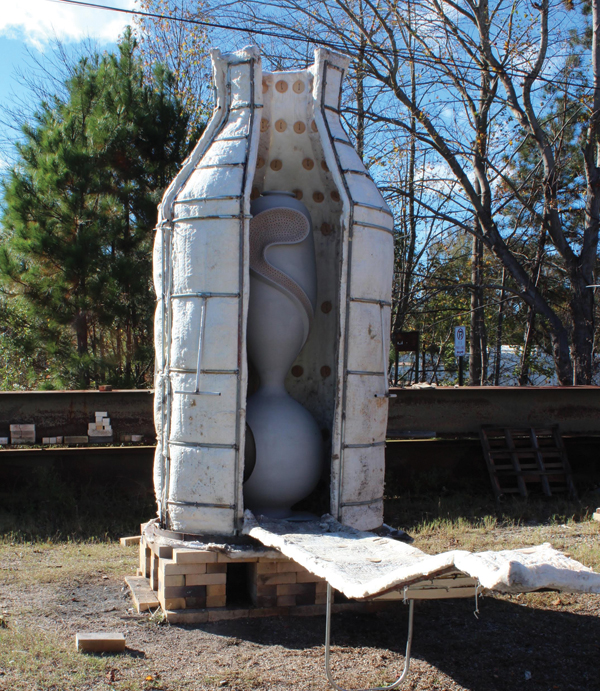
283,289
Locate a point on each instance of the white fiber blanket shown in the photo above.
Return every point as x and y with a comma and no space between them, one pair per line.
361,565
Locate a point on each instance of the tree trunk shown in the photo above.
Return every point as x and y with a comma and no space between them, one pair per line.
582,313
499,332
478,336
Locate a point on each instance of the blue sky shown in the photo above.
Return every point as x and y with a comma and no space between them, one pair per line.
34,24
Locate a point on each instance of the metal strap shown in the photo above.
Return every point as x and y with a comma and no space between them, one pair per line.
217,198
374,226
381,209
385,355
182,296
372,301
200,504
197,391
201,445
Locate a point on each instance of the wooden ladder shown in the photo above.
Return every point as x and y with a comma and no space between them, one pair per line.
519,459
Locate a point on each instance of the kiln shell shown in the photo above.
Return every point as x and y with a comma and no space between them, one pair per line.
277,131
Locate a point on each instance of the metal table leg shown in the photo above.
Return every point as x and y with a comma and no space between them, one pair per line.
398,681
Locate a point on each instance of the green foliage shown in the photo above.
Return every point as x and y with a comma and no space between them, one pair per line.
80,206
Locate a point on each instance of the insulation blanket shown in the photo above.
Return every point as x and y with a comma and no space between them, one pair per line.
361,565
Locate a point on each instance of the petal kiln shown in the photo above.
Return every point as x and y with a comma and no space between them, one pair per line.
270,132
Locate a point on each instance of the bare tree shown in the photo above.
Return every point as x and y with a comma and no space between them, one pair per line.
480,70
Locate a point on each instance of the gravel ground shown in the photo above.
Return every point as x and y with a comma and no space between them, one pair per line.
538,642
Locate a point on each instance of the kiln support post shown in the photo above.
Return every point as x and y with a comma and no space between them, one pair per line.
399,680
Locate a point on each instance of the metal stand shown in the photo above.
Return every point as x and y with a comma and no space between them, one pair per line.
398,681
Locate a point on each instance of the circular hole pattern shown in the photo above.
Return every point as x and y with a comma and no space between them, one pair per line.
325,371
326,229
298,87
326,307
281,86
313,126
264,125
299,127
281,125
324,166
297,371
335,195
298,194
318,197
308,164
276,164
260,162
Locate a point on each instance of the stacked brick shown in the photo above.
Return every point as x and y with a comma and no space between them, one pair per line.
192,579
189,579
284,584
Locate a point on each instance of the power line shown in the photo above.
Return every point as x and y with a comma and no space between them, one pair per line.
276,34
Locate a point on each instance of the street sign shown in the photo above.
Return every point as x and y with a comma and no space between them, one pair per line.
406,341
460,341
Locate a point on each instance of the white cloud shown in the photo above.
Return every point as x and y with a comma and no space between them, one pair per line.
39,21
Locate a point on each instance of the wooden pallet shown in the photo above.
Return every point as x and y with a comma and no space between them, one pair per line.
522,459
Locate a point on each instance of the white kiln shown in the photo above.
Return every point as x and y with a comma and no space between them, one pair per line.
270,132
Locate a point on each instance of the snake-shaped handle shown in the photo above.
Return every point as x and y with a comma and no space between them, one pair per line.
279,226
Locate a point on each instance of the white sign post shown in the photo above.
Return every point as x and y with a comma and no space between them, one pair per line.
460,348
460,340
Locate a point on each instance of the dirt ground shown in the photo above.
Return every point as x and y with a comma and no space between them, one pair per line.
50,591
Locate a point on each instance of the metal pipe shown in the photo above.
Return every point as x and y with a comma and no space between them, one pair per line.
398,681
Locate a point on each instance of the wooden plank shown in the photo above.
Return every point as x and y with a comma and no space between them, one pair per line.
485,444
515,462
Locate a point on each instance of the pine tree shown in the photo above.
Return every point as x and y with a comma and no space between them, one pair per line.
79,211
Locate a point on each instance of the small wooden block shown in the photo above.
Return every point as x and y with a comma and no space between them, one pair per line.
263,601
266,566
101,642
129,541
194,556
321,587
216,568
321,599
205,579
286,600
216,590
276,579
217,601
